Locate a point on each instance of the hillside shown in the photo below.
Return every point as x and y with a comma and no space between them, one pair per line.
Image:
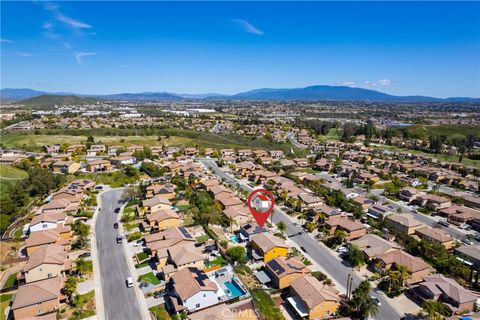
52,100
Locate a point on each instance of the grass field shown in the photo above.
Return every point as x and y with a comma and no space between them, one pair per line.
11,280
440,157
445,130
9,176
4,301
171,137
150,278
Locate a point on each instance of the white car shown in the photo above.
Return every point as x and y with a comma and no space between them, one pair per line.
129,282
375,299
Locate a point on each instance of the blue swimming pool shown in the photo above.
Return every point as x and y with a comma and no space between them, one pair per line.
234,238
234,288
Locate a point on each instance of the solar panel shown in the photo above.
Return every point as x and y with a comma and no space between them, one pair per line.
273,264
184,232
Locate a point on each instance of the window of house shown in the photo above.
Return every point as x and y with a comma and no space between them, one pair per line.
197,305
49,275
44,225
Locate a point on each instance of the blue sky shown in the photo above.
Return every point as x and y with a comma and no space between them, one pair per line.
404,48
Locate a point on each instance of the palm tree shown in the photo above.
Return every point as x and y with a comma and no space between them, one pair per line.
435,309
82,267
395,279
404,272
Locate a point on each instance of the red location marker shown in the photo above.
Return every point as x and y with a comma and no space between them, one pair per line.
261,203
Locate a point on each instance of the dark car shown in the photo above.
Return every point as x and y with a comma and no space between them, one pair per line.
119,239
117,210
115,225
85,255
159,294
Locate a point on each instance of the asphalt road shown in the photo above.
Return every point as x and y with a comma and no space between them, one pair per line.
294,141
322,255
120,302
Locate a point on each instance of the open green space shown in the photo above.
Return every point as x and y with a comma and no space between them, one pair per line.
443,130
142,256
150,278
219,261
202,239
440,157
11,280
116,136
9,176
4,302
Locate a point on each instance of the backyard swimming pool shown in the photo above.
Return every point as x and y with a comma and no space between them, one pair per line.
234,288
234,238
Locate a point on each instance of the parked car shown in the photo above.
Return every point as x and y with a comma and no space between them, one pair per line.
138,243
117,210
467,241
85,255
444,223
375,299
159,294
303,249
342,250
119,239
129,282
115,225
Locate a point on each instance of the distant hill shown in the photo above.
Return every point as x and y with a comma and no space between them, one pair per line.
143,96
19,94
52,100
312,93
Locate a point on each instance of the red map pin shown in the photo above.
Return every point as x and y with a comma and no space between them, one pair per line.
261,203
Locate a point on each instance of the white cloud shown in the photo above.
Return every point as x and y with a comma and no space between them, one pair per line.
385,82
349,84
79,55
48,25
72,22
247,26
3,40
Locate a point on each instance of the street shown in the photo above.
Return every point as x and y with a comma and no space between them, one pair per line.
322,255
120,302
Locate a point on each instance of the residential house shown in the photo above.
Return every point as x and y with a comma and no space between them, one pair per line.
378,211
354,229
47,262
435,235
310,201
403,223
409,194
276,154
75,148
259,153
123,160
440,288
266,246
38,298
283,270
166,191
459,214
244,153
238,215
313,300
469,254
301,162
66,167
155,203
37,240
247,231
96,149
419,269
373,246
99,166
162,219
192,290
433,202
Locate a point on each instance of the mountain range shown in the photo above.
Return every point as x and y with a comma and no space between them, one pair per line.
311,93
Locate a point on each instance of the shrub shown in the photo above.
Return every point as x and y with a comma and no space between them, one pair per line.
134,236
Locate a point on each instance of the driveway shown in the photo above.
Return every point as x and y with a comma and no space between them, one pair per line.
120,302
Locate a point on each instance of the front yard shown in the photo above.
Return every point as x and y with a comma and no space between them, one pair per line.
4,301
150,278
160,312
266,305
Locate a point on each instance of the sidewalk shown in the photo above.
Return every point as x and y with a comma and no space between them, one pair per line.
96,265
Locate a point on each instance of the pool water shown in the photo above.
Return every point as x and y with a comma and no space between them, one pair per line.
234,238
234,288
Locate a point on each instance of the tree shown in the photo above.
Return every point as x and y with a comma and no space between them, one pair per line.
70,287
236,254
435,310
130,194
282,226
81,230
362,302
83,267
355,256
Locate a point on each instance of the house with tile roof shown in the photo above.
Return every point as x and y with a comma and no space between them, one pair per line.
47,262
311,299
354,229
403,223
283,270
266,246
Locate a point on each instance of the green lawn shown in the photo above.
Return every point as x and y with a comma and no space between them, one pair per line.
9,176
160,312
202,239
4,302
18,233
83,304
141,265
150,278
142,256
218,261
266,305
11,280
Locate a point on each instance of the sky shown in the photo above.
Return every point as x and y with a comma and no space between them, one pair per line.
402,48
